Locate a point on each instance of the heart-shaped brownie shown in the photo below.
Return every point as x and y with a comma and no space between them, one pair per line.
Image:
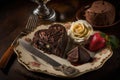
52,40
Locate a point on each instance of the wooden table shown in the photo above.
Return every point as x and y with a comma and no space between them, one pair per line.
13,18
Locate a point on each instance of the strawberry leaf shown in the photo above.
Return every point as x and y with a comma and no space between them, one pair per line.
113,41
103,34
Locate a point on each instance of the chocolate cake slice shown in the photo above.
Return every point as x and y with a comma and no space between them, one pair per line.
100,13
52,40
78,55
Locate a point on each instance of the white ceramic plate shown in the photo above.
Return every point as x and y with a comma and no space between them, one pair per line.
36,64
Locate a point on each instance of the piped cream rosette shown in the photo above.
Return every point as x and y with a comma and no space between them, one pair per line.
80,30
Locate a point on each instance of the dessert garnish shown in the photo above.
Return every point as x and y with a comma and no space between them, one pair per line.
80,30
99,40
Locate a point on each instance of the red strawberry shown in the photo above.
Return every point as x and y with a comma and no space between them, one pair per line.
97,42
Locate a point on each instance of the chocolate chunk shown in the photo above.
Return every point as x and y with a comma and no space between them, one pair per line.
78,55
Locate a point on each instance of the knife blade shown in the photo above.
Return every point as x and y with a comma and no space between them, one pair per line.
67,70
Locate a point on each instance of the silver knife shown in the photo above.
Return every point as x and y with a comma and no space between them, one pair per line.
67,70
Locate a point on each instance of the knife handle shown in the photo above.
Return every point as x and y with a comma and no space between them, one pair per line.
6,57
67,70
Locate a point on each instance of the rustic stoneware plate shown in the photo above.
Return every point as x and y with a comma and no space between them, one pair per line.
36,64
